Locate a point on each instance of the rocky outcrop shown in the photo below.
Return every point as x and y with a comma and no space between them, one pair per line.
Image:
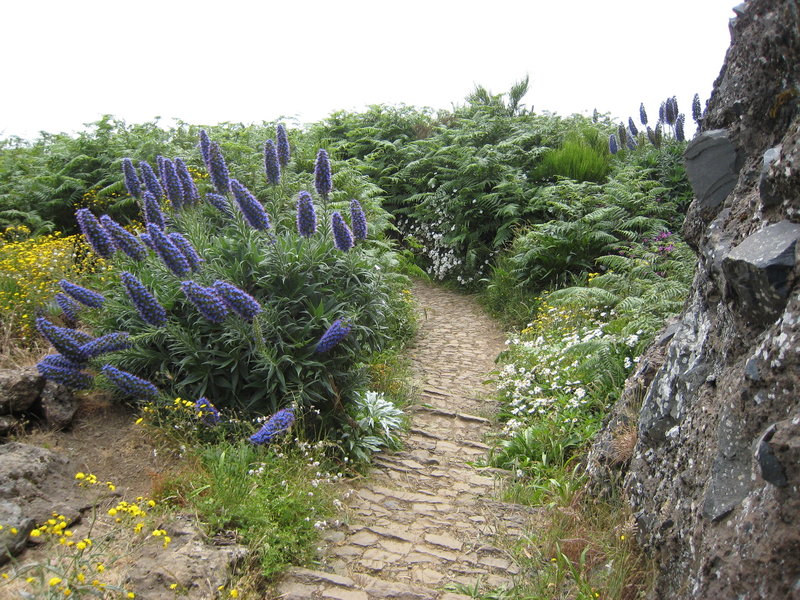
26,395
714,480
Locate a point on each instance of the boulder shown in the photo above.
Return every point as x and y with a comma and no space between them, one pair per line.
16,527
19,389
59,405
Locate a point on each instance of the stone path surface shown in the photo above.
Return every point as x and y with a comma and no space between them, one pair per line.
425,517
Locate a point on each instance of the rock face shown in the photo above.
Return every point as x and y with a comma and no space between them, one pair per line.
714,480
25,393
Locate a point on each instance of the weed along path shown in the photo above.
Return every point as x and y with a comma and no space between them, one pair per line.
425,518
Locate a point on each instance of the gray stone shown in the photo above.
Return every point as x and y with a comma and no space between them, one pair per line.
765,190
19,389
758,270
8,424
59,405
16,527
769,466
711,167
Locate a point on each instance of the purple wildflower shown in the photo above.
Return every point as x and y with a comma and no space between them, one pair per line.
239,301
220,203
335,334
218,170
132,182
96,236
172,184
151,181
68,305
123,239
185,246
697,111
622,133
190,193
152,211
282,141
206,411
129,384
612,144
205,300
111,342
306,216
662,110
679,122
205,148
271,165
642,114
358,220
251,208
632,127
651,135
147,241
64,340
172,257
57,360
342,236
82,294
64,372
146,304
322,174
277,424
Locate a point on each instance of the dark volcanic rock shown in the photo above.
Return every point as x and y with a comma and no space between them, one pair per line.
59,405
19,389
714,480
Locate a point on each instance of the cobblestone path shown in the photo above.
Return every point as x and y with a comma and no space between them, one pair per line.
425,517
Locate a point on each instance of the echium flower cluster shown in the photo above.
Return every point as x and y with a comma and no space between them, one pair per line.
132,182
190,193
185,246
679,134
220,203
69,306
251,208
358,220
342,236
335,334
146,304
129,384
94,233
206,411
642,114
612,144
217,169
172,184
67,341
151,182
282,141
81,294
697,111
147,241
123,239
152,211
172,257
61,370
632,127
276,425
623,134
306,215
205,300
205,148
111,342
238,301
322,174
272,166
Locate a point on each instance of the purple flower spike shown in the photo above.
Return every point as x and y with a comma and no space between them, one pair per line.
358,220
252,209
56,368
172,184
151,181
66,341
69,306
679,122
205,148
276,425
147,241
220,203
129,384
190,193
218,170
271,165
282,141
322,174
146,304
335,334
185,246
172,257
111,342
123,239
239,301
95,235
306,216
342,236
152,211
206,412
205,300
132,182
642,114
612,144
82,294
632,127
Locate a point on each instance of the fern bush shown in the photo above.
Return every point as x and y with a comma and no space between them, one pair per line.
254,311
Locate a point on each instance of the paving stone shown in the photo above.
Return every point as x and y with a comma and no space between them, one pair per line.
444,540
336,593
395,546
292,590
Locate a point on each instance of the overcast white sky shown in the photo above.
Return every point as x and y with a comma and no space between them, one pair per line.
67,63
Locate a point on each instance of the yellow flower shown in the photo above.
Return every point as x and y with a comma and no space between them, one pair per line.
139,420
14,530
54,581
81,577
80,475
234,593
172,586
81,546
29,580
112,511
4,575
131,595
100,568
